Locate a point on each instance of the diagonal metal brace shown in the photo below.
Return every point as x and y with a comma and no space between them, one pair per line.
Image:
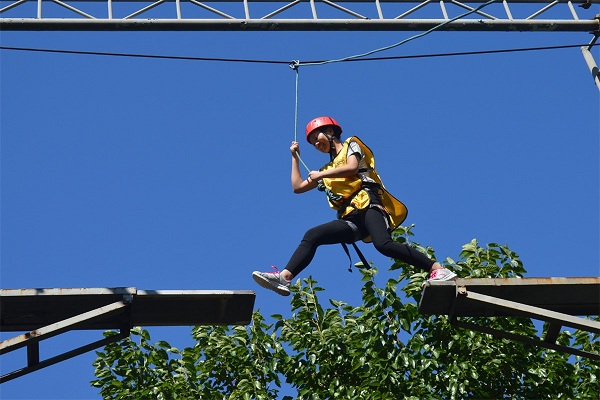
555,319
525,339
591,63
533,312
31,367
32,339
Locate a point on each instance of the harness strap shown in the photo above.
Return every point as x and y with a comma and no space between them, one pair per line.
360,255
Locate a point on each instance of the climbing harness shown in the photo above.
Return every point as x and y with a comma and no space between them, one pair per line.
356,193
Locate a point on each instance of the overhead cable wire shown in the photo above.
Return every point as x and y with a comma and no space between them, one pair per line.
233,60
473,53
166,57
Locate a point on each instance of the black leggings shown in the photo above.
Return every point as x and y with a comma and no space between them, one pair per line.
373,223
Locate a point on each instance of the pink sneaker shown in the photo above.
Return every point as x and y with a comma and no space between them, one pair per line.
442,274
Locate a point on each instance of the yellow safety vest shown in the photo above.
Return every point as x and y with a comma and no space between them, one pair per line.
353,195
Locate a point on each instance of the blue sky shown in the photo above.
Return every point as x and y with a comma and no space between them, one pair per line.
172,174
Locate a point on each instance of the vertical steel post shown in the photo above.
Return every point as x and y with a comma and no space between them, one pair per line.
33,354
379,12
444,12
507,9
572,9
246,9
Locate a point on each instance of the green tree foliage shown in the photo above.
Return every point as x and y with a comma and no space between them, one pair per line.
380,349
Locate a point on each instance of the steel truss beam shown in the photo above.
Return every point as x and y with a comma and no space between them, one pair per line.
553,300
46,313
557,321
32,339
297,15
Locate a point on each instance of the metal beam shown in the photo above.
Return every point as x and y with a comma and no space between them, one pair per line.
556,320
555,300
591,63
57,328
46,313
573,296
520,309
299,15
525,339
552,333
32,339
30,309
47,24
37,365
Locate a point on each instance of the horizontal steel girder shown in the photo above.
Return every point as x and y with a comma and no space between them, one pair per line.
299,15
24,24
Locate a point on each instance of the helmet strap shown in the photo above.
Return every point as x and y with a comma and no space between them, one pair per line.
332,152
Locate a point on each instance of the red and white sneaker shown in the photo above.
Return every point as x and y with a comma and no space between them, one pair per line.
442,274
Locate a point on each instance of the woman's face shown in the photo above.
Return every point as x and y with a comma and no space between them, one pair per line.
320,139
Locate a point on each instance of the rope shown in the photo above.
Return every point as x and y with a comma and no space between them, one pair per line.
294,65
321,186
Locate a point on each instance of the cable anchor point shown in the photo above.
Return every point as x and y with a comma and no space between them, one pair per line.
295,64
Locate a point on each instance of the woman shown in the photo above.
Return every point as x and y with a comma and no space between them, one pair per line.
366,211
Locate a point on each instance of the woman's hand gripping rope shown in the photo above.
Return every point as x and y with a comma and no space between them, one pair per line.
312,175
295,149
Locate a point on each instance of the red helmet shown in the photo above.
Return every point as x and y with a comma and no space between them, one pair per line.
323,121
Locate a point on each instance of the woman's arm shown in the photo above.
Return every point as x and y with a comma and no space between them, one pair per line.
343,171
299,185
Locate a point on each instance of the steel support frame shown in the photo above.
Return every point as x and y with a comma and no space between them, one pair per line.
305,17
362,25
556,321
32,339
